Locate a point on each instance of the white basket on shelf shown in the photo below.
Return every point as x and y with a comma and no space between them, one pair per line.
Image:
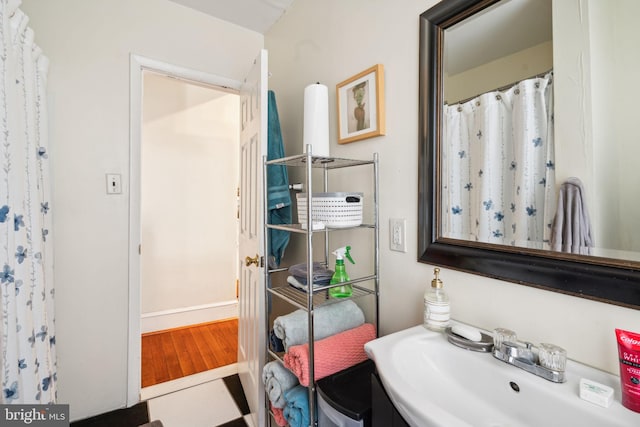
335,210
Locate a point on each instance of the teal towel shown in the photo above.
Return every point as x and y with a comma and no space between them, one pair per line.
278,197
296,411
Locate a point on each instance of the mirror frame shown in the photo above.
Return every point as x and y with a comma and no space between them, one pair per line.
613,281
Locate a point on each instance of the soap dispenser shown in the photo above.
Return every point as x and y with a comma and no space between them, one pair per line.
436,305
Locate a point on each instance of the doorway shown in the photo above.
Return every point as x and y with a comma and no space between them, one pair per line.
188,214
189,224
183,205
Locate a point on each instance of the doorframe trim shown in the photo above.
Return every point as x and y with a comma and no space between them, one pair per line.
137,65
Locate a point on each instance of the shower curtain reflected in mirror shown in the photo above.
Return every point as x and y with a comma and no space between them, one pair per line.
498,166
27,358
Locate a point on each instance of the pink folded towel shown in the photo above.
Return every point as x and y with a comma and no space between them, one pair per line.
278,416
332,354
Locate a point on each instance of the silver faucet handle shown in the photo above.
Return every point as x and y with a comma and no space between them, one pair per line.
552,357
502,335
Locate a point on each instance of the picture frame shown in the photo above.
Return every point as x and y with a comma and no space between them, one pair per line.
360,102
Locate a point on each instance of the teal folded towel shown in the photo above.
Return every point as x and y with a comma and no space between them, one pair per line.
296,411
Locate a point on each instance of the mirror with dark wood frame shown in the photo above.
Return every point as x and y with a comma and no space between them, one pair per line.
606,279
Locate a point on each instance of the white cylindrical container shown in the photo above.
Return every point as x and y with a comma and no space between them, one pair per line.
316,120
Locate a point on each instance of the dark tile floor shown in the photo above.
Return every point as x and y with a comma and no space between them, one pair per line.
235,389
138,415
128,417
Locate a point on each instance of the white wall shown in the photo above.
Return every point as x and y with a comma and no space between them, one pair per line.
600,21
332,40
89,43
498,73
595,48
614,62
627,64
190,146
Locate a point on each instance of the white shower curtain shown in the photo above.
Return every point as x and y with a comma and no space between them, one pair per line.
498,166
28,370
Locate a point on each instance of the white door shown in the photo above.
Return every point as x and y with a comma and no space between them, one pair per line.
251,299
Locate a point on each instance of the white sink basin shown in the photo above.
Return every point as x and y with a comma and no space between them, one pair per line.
434,383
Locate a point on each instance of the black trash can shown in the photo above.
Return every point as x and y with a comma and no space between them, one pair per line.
344,398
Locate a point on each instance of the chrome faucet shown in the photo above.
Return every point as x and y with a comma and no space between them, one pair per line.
547,361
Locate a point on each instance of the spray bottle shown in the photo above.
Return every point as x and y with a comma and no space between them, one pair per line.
340,274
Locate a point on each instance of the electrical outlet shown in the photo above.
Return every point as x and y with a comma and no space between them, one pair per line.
114,183
398,234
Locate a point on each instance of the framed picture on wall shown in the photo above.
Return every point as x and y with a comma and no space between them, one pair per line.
361,105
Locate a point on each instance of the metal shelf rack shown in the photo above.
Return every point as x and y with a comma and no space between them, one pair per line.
319,295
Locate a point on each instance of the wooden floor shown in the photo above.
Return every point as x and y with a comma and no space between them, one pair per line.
175,353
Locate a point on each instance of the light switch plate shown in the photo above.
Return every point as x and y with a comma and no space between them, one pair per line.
114,183
398,234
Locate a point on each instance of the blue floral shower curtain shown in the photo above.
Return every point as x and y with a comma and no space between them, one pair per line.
28,361
498,166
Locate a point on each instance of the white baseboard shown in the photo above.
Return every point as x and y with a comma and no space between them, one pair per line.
179,317
186,382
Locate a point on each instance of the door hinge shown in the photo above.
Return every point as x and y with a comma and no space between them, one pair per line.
140,249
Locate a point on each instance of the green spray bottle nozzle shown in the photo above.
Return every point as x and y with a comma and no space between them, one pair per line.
343,252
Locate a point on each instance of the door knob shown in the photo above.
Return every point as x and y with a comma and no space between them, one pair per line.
248,260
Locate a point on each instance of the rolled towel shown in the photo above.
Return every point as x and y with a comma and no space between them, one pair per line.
278,416
277,380
328,320
297,410
331,355
275,342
